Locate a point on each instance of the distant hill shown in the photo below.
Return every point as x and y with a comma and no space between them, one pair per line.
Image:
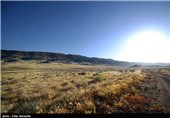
135,66
153,64
47,57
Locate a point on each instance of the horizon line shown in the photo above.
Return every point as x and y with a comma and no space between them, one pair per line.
83,56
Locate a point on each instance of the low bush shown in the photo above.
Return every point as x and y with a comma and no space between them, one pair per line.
96,74
98,78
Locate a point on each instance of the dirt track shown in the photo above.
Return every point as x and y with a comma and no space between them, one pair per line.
164,85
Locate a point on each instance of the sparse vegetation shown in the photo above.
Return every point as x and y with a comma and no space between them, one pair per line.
69,88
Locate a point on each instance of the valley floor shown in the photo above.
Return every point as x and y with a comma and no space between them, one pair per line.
70,88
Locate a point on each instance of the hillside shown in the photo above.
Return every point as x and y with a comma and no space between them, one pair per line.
47,57
136,66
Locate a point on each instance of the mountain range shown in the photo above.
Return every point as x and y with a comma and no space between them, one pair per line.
47,57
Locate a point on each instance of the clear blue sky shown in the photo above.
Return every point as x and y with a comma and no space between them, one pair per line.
94,29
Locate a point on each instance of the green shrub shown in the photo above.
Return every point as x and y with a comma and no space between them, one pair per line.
25,108
98,78
96,74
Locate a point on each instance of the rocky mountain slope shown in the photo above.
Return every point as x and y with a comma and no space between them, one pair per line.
47,57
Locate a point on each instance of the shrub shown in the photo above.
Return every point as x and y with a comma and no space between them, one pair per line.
97,78
25,108
82,73
96,74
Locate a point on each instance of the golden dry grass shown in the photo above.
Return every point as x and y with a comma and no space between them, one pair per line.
165,71
69,88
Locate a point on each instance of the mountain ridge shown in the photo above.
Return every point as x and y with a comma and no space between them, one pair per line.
47,57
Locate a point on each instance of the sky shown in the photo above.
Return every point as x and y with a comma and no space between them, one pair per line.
93,29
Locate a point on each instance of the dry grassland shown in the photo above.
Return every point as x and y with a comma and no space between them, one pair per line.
70,88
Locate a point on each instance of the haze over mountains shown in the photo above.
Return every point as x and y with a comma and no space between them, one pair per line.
47,57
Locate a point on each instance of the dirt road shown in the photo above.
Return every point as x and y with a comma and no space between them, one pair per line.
164,86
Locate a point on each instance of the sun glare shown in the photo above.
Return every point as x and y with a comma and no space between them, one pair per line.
148,46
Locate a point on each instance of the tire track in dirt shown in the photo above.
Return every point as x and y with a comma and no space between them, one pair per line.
164,85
